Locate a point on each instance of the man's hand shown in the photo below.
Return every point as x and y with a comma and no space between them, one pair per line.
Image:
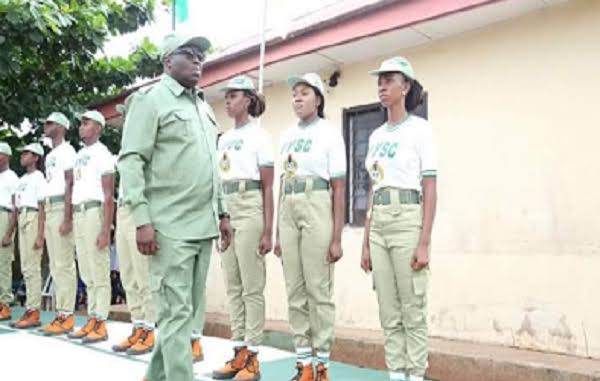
39,243
7,240
146,239
103,240
65,228
266,244
226,233
277,249
420,258
365,260
335,252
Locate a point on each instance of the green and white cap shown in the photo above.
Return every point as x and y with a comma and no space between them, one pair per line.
241,82
35,148
5,149
95,116
58,118
395,65
175,40
311,79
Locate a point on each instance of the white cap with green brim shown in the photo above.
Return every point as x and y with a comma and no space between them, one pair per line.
5,149
241,82
395,65
35,148
58,118
311,79
175,40
95,116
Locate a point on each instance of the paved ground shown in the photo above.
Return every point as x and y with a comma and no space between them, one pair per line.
26,355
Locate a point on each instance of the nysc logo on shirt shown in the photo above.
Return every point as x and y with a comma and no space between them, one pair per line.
233,145
386,149
376,172
297,146
290,166
225,163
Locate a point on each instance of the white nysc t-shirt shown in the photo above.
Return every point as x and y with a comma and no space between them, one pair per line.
401,155
58,161
316,150
31,190
8,185
243,151
92,163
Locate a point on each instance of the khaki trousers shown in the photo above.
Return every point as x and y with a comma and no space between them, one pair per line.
31,259
94,264
401,292
244,268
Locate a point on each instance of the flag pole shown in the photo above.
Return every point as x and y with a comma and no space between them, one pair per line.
261,62
173,15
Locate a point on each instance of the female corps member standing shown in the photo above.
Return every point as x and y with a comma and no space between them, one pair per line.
29,201
402,167
311,218
246,168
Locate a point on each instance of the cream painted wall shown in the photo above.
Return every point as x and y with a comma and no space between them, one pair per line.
516,253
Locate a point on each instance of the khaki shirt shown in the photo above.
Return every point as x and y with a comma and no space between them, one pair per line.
168,162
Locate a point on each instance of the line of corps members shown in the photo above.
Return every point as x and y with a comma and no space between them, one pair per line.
171,210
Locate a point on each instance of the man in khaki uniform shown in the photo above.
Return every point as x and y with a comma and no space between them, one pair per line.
8,222
93,208
59,223
175,201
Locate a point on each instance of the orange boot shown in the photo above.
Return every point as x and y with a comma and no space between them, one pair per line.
251,371
85,330
197,354
305,373
99,333
233,366
31,318
5,312
144,345
59,326
130,341
322,373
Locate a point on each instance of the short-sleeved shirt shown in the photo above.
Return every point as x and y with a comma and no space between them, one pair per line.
92,163
401,155
315,149
31,190
243,151
58,161
8,185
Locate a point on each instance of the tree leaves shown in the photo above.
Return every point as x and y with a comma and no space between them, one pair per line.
51,58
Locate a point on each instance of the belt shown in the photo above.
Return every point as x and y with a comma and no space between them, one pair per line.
5,209
27,209
405,196
240,185
87,205
55,199
299,184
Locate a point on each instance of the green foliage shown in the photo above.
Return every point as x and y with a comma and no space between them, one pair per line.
52,58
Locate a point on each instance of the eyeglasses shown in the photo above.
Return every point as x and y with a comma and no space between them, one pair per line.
190,54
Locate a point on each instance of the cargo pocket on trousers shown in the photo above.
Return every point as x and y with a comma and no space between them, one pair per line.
156,289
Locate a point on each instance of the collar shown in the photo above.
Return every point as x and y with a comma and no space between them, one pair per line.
177,89
303,124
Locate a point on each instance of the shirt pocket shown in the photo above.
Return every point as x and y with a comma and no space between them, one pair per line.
176,123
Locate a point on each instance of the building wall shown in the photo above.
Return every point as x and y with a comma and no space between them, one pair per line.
516,251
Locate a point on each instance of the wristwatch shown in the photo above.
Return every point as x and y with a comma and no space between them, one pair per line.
224,215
